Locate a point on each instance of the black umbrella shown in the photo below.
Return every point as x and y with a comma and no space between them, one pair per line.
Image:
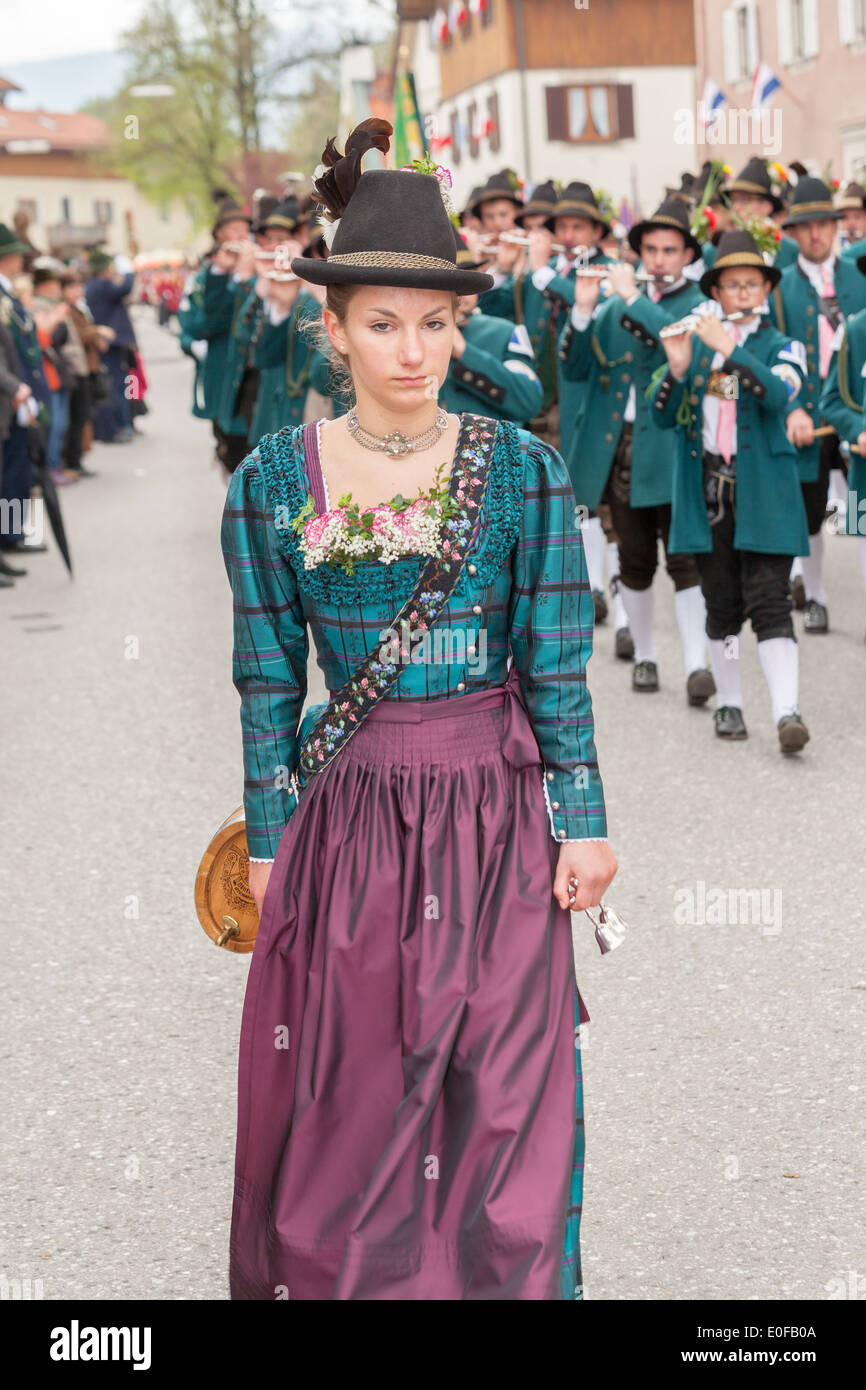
42,476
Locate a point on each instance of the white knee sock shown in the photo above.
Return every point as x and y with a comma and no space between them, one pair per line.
640,607
620,617
861,546
691,614
780,666
593,544
813,578
725,663
838,491
797,569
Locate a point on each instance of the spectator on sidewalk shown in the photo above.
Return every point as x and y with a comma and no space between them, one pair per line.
110,285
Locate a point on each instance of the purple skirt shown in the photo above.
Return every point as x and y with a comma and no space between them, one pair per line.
408,1071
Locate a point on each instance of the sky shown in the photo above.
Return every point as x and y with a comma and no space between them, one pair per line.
59,29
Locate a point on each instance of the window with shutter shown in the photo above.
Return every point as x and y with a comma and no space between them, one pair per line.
624,111
472,123
753,46
455,138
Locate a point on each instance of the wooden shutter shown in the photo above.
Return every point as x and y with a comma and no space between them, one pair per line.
624,98
472,123
557,113
785,32
754,45
455,138
495,138
811,29
847,22
730,45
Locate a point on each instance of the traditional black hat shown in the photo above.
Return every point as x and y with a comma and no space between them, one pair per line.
544,199
387,226
852,196
737,247
497,186
283,215
9,243
228,210
266,203
812,199
753,179
672,213
578,200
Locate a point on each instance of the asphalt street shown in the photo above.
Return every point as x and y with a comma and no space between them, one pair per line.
723,1068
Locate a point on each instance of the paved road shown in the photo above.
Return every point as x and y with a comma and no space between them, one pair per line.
723,1068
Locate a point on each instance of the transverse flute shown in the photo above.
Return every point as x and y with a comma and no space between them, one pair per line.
685,325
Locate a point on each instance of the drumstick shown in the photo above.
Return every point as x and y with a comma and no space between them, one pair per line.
823,430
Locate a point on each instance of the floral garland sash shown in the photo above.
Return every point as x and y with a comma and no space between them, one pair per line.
372,679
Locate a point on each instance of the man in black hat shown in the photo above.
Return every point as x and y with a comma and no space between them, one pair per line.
218,306
752,195
616,458
736,498
31,391
852,205
815,295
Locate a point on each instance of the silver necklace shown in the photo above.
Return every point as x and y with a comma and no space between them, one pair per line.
396,443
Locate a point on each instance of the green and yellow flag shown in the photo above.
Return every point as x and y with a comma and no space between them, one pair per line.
409,142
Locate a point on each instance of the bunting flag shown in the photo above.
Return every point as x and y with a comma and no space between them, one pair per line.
409,142
712,101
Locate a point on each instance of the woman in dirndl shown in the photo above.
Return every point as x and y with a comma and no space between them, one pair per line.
410,1118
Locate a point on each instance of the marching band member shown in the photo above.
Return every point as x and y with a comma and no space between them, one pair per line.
492,361
284,355
843,405
814,296
218,310
751,195
737,504
852,205
615,456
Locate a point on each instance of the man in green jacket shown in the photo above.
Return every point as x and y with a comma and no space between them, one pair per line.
616,459
217,308
815,295
843,405
737,505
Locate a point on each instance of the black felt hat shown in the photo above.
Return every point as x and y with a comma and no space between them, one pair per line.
229,210
578,200
853,195
283,215
812,200
673,213
497,186
544,199
394,231
755,180
735,248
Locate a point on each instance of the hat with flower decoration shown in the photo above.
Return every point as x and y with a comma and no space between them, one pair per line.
385,226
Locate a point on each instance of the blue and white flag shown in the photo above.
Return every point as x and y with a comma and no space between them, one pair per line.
712,101
764,84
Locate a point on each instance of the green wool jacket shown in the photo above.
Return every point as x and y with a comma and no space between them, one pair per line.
771,517
795,308
843,404
496,372
246,327
222,302
284,355
620,348
190,317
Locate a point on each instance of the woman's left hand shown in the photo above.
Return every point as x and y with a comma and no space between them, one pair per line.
593,864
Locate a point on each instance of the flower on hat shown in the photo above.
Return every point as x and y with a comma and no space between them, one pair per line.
425,165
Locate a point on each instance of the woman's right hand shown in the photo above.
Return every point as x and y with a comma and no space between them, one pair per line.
259,875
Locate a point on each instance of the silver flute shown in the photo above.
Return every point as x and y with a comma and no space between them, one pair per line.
685,325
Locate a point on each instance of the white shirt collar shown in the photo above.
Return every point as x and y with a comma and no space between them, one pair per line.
6,282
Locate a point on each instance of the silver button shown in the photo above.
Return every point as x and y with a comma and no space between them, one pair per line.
554,805
550,776
471,569
461,685
561,834
476,608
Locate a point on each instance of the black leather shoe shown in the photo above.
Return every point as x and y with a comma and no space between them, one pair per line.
798,593
624,644
700,686
600,604
645,676
793,733
816,619
10,570
729,722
